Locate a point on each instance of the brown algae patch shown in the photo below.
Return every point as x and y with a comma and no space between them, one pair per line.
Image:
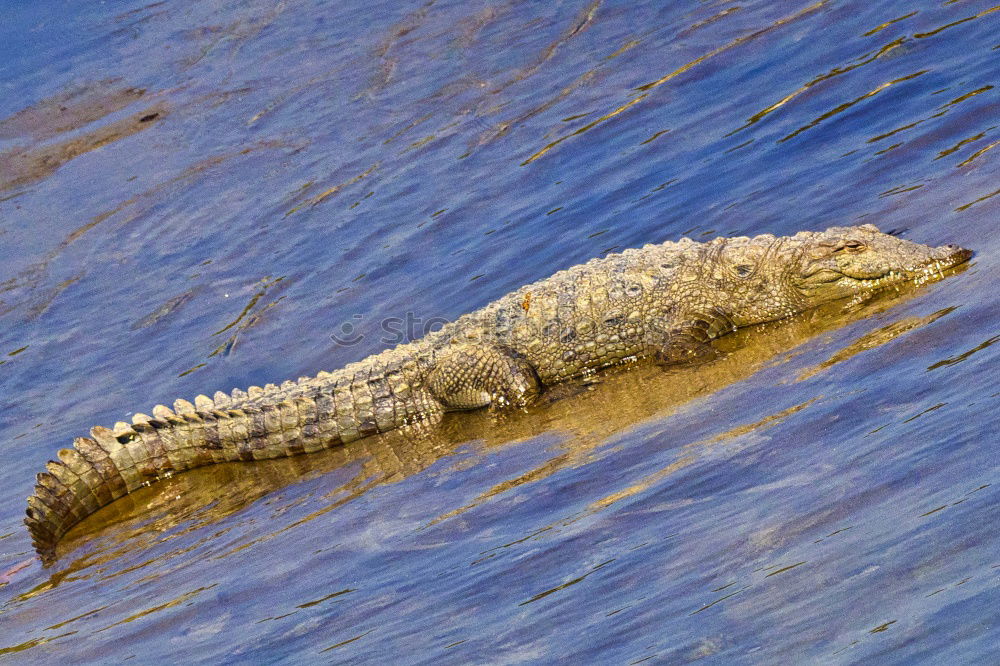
69,110
39,126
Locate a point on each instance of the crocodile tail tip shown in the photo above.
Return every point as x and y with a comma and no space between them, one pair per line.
43,540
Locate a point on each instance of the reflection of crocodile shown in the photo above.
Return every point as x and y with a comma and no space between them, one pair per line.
669,301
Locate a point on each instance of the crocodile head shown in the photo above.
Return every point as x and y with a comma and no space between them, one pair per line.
789,275
843,261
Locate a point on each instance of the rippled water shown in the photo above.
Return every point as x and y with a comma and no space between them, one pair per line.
198,196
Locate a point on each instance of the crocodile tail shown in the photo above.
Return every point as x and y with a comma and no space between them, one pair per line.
286,421
112,463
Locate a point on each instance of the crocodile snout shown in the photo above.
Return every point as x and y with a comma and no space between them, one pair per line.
952,254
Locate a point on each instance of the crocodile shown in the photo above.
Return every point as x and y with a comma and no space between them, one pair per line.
664,302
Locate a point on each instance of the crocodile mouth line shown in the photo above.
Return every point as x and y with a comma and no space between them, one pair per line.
929,272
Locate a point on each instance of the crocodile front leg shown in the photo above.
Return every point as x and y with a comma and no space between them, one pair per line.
691,343
468,376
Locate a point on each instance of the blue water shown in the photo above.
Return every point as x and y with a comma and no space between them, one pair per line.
198,196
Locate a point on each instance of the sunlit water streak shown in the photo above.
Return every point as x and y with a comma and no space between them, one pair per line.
196,198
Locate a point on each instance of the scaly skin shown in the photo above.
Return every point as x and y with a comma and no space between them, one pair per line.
667,301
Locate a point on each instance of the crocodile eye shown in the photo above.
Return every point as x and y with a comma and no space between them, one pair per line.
850,246
744,270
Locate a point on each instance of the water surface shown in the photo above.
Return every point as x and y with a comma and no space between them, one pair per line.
199,197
